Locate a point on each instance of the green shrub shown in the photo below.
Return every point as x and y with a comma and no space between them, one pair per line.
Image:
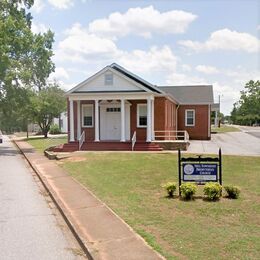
232,191
170,187
54,130
188,190
212,190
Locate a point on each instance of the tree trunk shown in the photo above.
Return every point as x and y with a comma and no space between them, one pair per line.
45,132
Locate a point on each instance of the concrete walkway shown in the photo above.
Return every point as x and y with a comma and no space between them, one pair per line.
30,226
232,143
105,235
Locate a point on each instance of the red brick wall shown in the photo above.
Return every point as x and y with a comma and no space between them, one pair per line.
164,115
140,131
200,130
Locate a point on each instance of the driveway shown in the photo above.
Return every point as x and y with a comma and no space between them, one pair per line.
246,142
30,225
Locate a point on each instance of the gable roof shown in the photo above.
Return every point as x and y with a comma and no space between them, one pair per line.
135,78
194,94
115,68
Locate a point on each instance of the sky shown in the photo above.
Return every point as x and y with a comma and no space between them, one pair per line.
166,42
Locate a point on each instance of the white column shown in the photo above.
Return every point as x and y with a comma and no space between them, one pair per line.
149,121
78,120
72,138
122,120
96,121
152,119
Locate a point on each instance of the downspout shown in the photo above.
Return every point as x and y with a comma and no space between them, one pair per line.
177,117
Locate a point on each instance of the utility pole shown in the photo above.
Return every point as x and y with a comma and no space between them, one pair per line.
219,111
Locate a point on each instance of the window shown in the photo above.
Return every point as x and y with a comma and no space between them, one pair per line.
190,117
113,109
87,115
141,115
108,79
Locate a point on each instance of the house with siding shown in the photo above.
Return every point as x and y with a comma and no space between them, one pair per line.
116,110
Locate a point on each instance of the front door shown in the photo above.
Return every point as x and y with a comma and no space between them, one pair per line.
110,121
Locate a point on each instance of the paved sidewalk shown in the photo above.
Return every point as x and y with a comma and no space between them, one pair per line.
105,235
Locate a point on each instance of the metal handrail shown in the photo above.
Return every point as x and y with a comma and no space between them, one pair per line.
133,140
81,139
171,135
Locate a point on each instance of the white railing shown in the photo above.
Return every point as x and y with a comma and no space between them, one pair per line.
171,135
133,140
81,139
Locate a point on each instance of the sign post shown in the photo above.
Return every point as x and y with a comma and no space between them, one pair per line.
199,169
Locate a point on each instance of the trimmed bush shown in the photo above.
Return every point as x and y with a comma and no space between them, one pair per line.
54,130
232,191
170,187
188,190
212,190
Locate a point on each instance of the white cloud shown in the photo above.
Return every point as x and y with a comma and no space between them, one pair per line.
176,78
81,46
39,28
225,39
207,69
38,6
61,4
186,67
60,73
155,59
258,27
242,76
142,22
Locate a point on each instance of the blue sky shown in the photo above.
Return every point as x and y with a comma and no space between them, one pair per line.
165,42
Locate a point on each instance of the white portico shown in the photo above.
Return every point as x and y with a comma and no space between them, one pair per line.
111,106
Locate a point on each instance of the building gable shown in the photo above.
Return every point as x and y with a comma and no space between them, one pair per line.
109,80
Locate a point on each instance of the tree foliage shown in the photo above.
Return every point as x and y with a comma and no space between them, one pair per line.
46,105
247,109
25,62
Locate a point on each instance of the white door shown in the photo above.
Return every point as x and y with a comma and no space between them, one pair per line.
110,122
112,125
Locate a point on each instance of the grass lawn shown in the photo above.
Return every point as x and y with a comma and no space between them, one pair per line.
224,129
130,184
42,143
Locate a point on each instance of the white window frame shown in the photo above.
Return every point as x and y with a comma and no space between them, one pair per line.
110,81
186,112
82,115
138,109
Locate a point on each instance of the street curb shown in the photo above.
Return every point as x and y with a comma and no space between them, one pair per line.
48,189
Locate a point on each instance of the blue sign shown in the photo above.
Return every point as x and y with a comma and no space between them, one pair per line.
200,172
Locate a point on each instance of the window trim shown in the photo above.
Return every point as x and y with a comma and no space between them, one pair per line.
138,111
82,115
186,112
109,82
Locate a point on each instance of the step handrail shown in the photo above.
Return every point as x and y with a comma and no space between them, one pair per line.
133,140
171,135
81,140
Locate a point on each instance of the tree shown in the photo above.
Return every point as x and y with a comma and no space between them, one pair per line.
247,109
25,61
47,104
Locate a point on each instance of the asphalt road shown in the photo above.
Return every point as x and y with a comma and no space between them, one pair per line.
252,130
30,225
246,142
